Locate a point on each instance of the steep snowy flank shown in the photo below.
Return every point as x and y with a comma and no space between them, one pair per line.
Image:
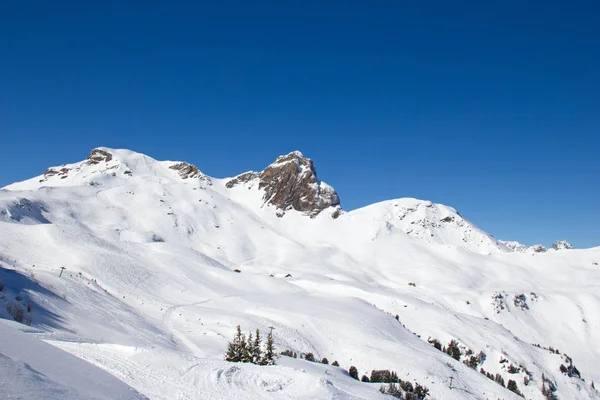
144,268
430,222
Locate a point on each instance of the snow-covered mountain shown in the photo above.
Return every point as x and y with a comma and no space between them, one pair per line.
145,268
537,248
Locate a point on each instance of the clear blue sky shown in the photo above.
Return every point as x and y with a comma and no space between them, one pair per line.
490,107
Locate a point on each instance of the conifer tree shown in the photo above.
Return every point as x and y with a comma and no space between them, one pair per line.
353,372
235,348
269,354
256,351
248,350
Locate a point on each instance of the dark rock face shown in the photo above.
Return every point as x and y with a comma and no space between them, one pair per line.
291,183
98,155
189,171
186,170
243,178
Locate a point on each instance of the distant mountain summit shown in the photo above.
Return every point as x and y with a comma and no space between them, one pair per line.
537,248
291,183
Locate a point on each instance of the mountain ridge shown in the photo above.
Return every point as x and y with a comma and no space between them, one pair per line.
152,265
295,187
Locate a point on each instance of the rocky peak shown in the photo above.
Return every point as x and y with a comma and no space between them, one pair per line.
562,245
98,155
291,183
538,248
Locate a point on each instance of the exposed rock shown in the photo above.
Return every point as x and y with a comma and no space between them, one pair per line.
188,171
562,245
243,178
51,172
98,155
515,246
538,248
291,183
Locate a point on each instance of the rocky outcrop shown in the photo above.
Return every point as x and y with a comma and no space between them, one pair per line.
291,183
190,171
243,178
97,156
186,170
562,245
538,248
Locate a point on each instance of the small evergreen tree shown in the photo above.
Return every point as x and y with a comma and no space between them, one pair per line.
471,362
247,354
512,386
364,379
406,386
309,357
256,351
335,363
453,350
353,372
436,343
392,390
421,391
325,361
499,380
269,353
235,348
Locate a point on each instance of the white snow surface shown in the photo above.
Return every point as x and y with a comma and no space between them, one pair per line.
32,369
149,293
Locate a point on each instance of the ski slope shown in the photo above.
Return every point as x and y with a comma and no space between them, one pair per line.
149,291
32,369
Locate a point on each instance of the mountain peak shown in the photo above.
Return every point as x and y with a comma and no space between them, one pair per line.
291,183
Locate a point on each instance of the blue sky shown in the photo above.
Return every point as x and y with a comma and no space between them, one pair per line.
493,109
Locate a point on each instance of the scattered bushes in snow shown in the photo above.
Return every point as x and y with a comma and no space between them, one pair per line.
396,386
405,390
325,361
472,362
353,372
520,300
17,312
513,370
383,376
335,363
367,380
499,380
453,350
436,343
250,350
571,371
309,357
289,353
548,388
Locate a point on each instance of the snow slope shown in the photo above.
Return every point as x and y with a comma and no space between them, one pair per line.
149,291
32,369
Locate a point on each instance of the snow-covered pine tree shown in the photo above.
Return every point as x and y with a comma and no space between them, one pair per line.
248,350
235,348
256,351
269,354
